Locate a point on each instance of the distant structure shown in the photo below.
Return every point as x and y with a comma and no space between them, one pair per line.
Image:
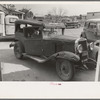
18,13
92,15
38,17
81,19
53,18
11,12
58,19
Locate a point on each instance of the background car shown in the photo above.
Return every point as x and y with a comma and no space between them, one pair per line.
73,24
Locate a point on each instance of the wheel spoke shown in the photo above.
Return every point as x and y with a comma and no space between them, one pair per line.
65,69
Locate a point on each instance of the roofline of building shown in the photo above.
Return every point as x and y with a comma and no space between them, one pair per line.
92,12
19,12
14,10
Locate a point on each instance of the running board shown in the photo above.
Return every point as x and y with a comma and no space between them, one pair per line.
38,59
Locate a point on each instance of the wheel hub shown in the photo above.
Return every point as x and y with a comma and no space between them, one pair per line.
64,69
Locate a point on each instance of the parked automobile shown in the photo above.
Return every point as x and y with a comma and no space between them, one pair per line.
43,42
73,24
91,31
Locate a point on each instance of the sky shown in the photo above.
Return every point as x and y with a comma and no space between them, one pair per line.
71,8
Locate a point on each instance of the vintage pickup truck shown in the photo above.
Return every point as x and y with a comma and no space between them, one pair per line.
46,41
91,31
73,24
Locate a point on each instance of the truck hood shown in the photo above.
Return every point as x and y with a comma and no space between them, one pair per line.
64,38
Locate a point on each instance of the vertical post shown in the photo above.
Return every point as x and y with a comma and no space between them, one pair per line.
62,31
3,24
97,75
22,16
0,72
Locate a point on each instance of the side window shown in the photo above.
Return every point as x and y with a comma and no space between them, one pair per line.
19,27
92,26
31,32
12,20
86,25
50,32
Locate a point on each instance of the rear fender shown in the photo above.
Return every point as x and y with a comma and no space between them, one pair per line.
66,55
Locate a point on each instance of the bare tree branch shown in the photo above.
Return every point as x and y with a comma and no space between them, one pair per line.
57,13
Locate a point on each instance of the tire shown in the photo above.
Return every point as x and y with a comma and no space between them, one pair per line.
65,69
18,50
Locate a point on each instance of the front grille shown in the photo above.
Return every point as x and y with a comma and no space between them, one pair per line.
84,44
84,55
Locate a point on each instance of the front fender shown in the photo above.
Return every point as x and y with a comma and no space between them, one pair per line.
97,42
67,55
94,54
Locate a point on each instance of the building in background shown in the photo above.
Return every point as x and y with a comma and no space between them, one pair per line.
93,15
11,12
39,18
81,19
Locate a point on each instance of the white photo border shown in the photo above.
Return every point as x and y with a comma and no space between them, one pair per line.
48,90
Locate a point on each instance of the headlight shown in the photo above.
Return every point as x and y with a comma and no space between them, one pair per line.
80,48
91,46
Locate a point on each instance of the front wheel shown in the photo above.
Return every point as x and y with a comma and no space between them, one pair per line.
18,50
65,69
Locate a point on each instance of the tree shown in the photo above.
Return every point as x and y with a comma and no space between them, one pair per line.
28,14
57,14
9,6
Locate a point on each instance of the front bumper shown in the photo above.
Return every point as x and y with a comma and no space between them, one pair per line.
12,44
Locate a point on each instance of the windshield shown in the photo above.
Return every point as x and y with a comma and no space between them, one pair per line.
51,32
12,20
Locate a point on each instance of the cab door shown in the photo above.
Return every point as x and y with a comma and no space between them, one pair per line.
33,47
33,42
48,47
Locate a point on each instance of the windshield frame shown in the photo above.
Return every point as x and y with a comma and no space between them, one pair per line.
98,29
52,32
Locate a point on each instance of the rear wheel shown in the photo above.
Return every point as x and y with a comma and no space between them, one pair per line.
65,69
18,50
